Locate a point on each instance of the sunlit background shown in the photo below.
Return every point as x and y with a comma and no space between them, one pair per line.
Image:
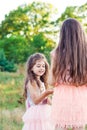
8,5
26,27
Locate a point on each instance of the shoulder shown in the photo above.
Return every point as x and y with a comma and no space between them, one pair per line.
32,89
31,85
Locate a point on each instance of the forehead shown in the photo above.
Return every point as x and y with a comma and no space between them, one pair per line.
40,62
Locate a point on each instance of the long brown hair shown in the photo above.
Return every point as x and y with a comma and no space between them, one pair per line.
30,76
71,54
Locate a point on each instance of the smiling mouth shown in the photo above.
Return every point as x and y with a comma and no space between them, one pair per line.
41,71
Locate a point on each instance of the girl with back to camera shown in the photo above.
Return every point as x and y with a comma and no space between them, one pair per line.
69,76
36,92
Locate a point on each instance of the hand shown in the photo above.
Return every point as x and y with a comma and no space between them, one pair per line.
49,91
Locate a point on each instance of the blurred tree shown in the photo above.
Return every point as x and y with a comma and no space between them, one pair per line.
77,12
15,47
41,44
34,28
28,29
6,65
29,20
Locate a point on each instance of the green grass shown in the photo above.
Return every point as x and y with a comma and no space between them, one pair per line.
11,91
11,119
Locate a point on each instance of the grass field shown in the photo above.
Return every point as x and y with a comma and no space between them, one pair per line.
11,109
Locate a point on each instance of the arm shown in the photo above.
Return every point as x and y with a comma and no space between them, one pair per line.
51,79
35,93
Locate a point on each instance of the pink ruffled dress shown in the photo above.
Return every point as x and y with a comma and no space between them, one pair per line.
69,106
37,117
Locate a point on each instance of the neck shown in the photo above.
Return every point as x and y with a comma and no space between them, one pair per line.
38,77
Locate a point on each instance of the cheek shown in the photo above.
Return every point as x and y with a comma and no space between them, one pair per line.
44,69
33,69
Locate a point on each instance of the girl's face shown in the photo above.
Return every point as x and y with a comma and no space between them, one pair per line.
39,68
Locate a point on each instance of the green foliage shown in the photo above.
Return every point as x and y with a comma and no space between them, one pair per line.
6,65
15,48
77,12
22,31
34,28
29,20
41,44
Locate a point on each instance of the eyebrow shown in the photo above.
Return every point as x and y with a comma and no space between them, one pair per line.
40,64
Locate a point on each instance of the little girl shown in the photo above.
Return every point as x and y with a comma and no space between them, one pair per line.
36,92
69,76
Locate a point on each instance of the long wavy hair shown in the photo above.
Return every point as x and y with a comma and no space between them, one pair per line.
30,76
71,54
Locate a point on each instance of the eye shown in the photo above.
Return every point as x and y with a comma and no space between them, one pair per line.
43,66
38,66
